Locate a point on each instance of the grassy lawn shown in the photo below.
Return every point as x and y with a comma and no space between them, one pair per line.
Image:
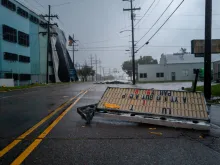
215,89
145,82
5,89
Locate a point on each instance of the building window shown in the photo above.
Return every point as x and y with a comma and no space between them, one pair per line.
9,34
158,75
8,76
22,12
23,39
43,24
10,56
15,76
9,5
34,19
185,73
25,77
24,59
143,75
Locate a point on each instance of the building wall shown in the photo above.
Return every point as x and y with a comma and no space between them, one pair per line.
36,50
20,24
183,72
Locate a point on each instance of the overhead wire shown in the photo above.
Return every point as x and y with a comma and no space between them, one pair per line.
144,13
39,4
155,22
62,4
161,26
32,6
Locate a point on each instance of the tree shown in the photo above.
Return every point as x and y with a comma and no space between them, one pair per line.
127,65
86,71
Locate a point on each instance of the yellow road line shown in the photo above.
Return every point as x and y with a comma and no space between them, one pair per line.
36,142
21,137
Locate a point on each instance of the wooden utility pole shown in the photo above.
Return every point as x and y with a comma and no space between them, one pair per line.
96,66
100,68
91,61
132,29
49,16
208,49
74,50
103,69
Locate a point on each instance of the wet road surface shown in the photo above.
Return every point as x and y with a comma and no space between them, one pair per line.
70,141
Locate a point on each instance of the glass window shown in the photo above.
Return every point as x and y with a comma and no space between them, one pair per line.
145,75
24,59
24,77
9,34
23,39
22,12
9,5
141,75
34,19
10,56
158,75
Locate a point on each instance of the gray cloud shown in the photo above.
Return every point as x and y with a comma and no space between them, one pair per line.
101,20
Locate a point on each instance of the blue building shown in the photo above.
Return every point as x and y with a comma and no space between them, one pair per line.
23,47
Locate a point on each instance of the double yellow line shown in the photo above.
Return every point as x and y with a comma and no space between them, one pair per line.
28,150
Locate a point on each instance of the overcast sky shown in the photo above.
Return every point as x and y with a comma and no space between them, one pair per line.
97,23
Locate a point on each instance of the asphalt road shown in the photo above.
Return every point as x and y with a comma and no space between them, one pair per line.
70,141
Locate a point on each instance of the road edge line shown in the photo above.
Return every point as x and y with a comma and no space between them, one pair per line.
39,139
33,128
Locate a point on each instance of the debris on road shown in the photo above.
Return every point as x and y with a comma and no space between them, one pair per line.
159,107
113,82
156,133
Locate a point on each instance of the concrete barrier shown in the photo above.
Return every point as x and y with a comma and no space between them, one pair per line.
7,82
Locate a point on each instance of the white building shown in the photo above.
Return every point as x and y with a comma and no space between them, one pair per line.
173,67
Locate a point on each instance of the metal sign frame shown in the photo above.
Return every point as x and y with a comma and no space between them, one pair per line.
150,114
215,47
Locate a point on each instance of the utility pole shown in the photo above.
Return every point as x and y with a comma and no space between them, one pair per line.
73,51
103,69
48,38
132,29
91,60
208,47
74,41
100,68
96,62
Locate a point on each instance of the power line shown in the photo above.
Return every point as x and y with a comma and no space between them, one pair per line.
39,4
155,22
145,13
181,28
161,26
101,50
30,5
62,4
102,41
107,47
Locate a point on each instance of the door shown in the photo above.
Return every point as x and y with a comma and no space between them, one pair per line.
173,76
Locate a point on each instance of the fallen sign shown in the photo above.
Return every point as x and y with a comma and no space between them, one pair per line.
160,107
